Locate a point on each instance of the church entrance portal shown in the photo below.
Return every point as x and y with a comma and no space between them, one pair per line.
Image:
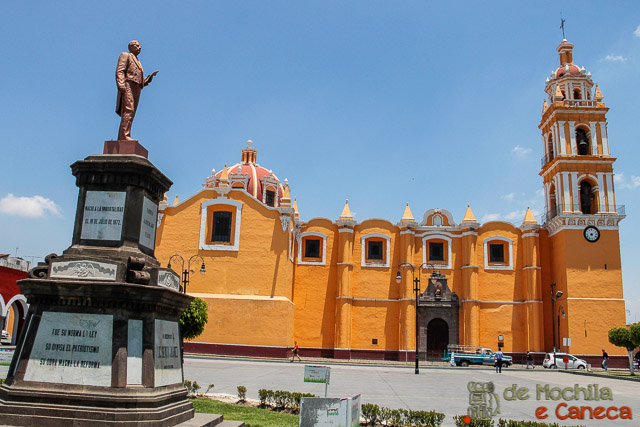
438,319
437,338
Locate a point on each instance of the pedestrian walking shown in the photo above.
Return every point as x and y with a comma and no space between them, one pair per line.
605,360
295,352
530,360
498,357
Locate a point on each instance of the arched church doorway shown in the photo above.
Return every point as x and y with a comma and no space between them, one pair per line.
437,339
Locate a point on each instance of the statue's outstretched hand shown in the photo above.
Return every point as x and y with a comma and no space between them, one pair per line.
150,77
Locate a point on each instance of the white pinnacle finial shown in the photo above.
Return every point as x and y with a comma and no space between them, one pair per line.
249,142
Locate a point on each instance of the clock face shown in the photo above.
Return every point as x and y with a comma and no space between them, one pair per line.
592,234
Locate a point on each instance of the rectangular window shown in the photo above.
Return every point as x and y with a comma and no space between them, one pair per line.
221,226
374,250
436,251
312,248
374,341
270,198
496,252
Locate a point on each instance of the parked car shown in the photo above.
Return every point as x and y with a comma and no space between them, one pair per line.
556,360
483,356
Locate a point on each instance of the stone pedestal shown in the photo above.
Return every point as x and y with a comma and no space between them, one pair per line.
131,146
101,345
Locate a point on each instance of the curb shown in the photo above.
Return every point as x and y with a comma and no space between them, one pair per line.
593,374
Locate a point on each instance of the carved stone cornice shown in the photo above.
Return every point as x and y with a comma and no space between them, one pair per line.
578,222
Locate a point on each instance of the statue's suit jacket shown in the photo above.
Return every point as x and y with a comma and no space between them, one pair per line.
129,68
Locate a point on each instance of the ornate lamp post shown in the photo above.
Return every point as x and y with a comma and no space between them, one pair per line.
416,289
185,271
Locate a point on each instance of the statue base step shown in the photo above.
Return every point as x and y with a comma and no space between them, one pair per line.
130,146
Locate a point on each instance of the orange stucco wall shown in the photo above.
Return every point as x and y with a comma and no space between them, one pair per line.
258,296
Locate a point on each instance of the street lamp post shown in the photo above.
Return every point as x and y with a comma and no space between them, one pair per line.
554,298
185,271
416,289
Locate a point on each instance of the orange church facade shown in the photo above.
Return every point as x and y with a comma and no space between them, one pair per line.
335,286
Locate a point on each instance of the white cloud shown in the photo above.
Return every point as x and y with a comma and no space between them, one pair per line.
490,217
615,58
30,207
637,32
622,182
509,196
540,192
521,151
515,215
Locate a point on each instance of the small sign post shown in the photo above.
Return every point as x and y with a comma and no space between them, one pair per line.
318,374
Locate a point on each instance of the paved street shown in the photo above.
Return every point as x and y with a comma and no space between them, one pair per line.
441,388
395,386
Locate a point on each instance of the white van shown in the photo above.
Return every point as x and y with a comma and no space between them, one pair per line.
552,362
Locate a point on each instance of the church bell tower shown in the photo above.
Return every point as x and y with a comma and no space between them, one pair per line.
581,213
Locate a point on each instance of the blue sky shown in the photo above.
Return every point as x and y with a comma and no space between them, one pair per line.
382,103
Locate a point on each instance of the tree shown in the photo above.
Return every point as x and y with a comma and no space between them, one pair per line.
193,319
624,337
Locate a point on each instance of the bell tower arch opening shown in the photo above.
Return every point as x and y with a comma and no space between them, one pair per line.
588,197
583,141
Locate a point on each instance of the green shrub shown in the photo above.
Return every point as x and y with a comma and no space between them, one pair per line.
397,417
385,413
193,319
262,395
371,413
242,393
425,418
474,422
514,423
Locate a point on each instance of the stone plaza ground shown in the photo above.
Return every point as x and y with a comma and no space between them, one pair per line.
437,387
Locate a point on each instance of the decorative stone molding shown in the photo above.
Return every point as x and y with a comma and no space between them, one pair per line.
285,221
578,222
83,270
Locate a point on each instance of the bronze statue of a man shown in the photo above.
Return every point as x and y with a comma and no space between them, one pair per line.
130,80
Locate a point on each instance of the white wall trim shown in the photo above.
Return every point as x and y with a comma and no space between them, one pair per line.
345,230
529,235
363,250
203,225
486,253
502,302
324,248
433,236
439,233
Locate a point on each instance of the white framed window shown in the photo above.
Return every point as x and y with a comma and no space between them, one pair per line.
375,249
312,249
434,253
220,221
498,253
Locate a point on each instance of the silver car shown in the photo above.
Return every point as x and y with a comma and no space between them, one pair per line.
556,360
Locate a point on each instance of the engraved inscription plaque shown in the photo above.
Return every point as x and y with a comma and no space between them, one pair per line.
148,225
102,215
72,348
168,369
